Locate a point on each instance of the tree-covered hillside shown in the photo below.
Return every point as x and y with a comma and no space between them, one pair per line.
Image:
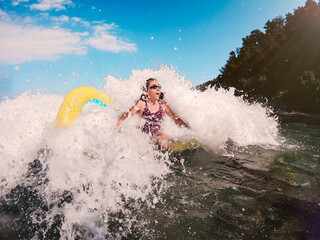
282,63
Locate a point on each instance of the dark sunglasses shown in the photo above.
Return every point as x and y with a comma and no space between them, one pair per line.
155,87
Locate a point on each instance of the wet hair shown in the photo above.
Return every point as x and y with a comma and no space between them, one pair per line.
143,97
148,81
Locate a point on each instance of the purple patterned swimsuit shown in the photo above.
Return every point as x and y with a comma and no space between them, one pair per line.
153,120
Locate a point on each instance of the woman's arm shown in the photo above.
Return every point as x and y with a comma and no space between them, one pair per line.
137,108
174,117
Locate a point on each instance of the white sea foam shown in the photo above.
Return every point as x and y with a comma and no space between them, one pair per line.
103,169
214,116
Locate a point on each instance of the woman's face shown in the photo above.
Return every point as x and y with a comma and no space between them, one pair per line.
154,90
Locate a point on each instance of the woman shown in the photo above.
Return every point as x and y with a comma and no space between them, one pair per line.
151,108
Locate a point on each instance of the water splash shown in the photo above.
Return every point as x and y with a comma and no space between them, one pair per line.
98,181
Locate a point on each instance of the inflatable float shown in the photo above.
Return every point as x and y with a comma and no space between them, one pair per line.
78,97
74,102
190,145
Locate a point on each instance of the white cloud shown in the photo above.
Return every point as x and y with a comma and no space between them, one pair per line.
4,16
60,19
79,20
22,43
17,2
46,5
43,16
22,40
73,20
103,40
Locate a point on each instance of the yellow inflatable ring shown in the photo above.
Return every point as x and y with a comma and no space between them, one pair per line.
75,100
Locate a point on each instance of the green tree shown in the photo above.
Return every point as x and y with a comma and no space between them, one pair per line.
309,92
277,62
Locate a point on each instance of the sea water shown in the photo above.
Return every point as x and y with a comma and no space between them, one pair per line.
89,181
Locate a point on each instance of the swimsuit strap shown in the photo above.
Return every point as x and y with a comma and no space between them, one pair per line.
147,108
160,108
146,105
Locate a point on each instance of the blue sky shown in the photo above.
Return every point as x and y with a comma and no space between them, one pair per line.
53,46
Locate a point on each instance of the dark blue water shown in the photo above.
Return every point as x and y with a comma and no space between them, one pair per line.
258,192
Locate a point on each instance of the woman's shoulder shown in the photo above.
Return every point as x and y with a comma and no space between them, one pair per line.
140,104
164,105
